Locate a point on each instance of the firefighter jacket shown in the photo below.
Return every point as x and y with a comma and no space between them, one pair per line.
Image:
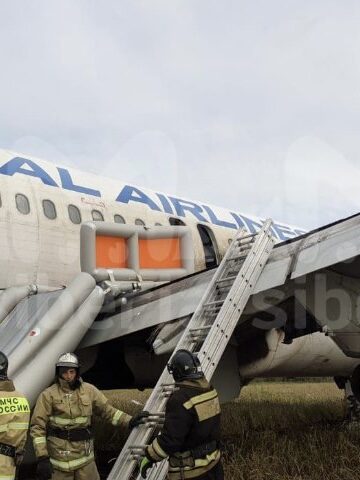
14,424
191,432
61,408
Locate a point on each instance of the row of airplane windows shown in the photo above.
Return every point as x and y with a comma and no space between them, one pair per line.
49,209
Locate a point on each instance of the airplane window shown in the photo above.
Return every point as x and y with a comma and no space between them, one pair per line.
22,203
49,209
176,222
138,221
0,201
158,224
97,216
74,214
119,219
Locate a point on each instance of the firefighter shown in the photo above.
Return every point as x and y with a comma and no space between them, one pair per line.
14,423
191,432
61,424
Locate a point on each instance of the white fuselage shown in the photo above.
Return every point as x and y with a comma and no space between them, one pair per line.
41,246
37,249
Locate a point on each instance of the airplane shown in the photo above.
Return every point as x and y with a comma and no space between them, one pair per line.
43,206
286,332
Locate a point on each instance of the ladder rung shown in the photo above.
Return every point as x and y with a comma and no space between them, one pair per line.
152,418
237,258
212,310
199,338
245,252
245,246
222,288
168,386
200,333
213,304
227,279
234,272
206,327
137,448
245,237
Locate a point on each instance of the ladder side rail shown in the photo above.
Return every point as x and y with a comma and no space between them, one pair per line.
263,243
125,465
237,299
239,294
210,288
216,342
158,471
204,316
261,238
186,341
233,310
228,330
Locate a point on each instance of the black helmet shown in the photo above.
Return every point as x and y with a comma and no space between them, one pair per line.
185,365
4,363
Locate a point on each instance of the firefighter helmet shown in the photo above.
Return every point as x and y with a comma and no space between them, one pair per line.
67,360
4,363
185,365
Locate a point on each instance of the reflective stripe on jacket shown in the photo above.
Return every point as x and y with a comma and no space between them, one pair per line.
192,420
60,407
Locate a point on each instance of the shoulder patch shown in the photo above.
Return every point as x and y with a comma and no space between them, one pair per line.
204,397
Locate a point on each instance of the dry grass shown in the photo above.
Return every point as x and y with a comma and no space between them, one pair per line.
289,431
278,431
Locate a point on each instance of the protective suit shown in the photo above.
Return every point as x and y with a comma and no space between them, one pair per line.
61,428
14,424
190,436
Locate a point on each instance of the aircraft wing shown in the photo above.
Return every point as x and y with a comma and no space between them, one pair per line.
321,269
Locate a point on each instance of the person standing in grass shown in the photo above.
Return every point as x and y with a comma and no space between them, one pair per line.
61,424
190,436
14,423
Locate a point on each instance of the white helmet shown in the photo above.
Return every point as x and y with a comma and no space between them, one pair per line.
69,360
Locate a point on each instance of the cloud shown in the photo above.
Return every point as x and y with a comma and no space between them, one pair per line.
241,104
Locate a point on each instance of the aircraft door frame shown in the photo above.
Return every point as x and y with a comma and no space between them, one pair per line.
210,246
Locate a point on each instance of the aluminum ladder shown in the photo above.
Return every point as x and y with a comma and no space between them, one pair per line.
207,334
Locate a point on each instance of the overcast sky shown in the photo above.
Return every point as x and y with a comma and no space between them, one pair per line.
251,105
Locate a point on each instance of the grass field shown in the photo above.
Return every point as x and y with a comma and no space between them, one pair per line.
277,431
